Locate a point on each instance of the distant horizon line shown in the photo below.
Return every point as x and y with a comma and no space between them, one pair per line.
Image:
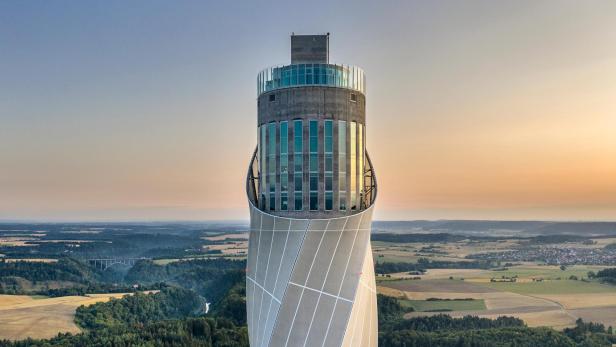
246,221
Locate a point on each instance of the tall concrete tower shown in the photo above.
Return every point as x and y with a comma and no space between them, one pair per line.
311,189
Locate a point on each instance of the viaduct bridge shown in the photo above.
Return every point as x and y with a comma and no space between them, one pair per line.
105,263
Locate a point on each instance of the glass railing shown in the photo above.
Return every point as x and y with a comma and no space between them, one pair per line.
330,75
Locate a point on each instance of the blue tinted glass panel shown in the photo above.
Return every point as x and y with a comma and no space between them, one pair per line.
342,164
329,201
298,201
298,162
284,137
298,182
314,181
314,201
314,162
284,156
329,162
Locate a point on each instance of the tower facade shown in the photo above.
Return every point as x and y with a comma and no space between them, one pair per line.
311,189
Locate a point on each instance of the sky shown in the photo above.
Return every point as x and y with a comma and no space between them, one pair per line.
146,109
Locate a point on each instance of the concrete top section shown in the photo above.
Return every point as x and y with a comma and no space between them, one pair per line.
310,49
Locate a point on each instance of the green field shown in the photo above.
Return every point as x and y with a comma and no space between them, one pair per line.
444,305
545,272
551,287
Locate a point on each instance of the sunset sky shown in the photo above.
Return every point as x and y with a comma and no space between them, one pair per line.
146,110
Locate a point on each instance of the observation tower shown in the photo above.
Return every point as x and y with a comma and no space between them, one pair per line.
311,189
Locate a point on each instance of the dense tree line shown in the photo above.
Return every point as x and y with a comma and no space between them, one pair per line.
424,264
24,277
99,288
233,305
65,269
140,308
423,238
445,331
390,311
196,332
124,241
211,278
448,238
607,275
558,238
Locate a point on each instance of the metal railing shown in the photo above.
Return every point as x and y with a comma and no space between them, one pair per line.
296,75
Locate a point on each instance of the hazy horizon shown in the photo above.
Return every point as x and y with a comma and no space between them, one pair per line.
147,110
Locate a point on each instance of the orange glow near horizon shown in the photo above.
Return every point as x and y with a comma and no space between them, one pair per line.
474,111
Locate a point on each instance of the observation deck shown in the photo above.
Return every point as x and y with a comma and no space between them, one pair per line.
302,75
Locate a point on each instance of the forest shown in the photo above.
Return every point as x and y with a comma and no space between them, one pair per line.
424,264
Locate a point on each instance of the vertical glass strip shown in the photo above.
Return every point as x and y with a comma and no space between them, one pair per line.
314,164
353,165
342,165
263,164
298,162
271,165
328,130
284,166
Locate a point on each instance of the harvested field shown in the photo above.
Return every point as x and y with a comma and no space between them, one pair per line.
604,242
453,286
230,248
396,293
575,301
32,260
227,236
550,287
24,316
17,241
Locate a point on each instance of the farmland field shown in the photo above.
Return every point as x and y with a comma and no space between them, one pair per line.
551,287
540,294
23,316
